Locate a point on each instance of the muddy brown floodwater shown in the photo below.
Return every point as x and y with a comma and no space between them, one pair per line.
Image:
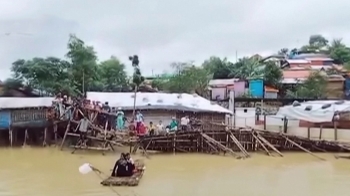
50,172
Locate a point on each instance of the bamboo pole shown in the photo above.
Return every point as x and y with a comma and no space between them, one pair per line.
25,137
261,144
321,129
45,137
11,136
302,148
239,145
269,144
55,127
174,143
65,135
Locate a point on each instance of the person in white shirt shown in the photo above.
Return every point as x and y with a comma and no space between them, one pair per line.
184,123
160,127
83,128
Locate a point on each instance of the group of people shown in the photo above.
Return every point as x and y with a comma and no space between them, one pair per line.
124,166
159,128
63,105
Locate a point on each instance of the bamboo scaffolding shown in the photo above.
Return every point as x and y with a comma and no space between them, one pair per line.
261,138
239,145
302,148
261,144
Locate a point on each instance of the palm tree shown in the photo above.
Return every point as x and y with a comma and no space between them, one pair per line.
137,78
248,68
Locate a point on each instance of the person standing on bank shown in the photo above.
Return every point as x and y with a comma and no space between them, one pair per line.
120,119
173,125
83,128
184,123
139,120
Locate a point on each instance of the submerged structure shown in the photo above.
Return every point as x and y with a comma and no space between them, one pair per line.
25,120
238,142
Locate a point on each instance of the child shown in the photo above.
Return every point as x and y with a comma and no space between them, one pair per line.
151,128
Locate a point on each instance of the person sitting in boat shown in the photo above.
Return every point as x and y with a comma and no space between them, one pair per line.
124,167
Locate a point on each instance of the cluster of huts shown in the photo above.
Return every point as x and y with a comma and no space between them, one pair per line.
30,120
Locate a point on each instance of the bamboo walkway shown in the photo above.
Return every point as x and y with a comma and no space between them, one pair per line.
236,142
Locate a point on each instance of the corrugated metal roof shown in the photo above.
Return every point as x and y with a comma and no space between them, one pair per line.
292,80
19,102
319,59
319,67
167,101
271,89
298,61
222,82
296,73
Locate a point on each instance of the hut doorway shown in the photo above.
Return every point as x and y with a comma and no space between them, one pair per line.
4,137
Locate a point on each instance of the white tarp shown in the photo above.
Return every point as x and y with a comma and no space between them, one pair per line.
168,101
19,102
317,114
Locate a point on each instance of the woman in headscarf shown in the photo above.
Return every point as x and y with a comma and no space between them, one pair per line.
120,119
119,168
124,167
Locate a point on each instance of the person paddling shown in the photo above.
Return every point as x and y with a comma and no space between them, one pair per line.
124,166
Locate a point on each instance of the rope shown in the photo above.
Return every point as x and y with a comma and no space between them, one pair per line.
110,187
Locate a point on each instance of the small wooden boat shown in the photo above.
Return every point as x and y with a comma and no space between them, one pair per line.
127,181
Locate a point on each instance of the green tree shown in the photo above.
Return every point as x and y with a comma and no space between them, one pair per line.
339,51
83,61
219,67
112,75
314,87
283,51
317,43
248,68
189,79
272,74
49,75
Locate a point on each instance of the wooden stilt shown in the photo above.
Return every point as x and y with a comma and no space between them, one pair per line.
25,137
65,135
335,131
11,136
105,130
55,132
45,137
174,143
321,129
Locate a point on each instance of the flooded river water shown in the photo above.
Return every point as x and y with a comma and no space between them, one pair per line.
50,172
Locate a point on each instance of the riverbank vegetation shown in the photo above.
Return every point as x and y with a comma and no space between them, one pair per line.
81,71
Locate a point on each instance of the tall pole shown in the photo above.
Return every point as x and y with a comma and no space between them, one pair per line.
83,90
236,56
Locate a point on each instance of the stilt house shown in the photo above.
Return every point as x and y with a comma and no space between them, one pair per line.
18,115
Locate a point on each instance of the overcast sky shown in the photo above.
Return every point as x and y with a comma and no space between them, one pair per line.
164,31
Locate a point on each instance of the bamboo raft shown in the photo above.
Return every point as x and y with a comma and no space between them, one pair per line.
127,181
238,142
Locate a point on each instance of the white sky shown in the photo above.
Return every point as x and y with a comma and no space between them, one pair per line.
161,32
